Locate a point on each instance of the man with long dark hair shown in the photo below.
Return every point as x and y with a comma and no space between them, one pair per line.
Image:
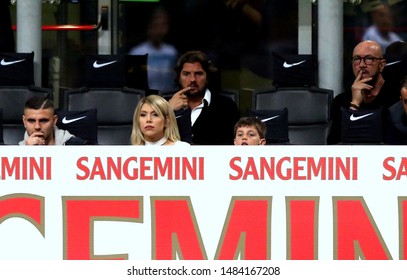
204,117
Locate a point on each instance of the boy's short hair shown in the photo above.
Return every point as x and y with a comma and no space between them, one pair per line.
252,121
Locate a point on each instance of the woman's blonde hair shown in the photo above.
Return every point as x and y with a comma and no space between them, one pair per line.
164,111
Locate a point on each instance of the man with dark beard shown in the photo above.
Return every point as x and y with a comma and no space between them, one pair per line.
368,91
204,116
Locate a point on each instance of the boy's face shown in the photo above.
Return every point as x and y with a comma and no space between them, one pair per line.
248,135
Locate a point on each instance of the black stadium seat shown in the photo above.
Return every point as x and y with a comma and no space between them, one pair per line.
1,127
82,124
12,100
115,109
232,94
277,125
16,69
361,126
308,111
294,70
116,71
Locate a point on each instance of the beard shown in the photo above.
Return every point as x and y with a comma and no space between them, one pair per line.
188,94
195,94
373,81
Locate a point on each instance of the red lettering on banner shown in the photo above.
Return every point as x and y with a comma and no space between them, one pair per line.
81,212
299,167
294,168
98,170
246,230
82,167
194,168
395,174
245,235
251,170
402,169
143,168
179,168
387,165
356,235
403,227
27,206
283,173
163,167
26,168
302,228
235,167
114,168
128,172
175,230
315,168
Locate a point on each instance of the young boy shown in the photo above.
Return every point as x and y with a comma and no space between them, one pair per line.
250,131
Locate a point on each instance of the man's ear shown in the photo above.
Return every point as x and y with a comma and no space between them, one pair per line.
55,119
262,141
382,65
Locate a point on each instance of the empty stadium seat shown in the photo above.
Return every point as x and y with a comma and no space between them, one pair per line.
308,111
232,94
17,69
104,70
1,127
277,125
115,108
82,124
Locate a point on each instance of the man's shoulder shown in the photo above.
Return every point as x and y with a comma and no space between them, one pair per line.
389,94
396,107
225,106
76,141
343,94
371,32
168,49
224,103
342,98
396,111
221,99
140,49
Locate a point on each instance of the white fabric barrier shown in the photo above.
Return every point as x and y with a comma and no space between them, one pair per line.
209,203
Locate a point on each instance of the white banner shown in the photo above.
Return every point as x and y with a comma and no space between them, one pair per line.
203,203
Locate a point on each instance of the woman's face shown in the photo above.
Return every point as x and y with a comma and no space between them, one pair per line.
151,124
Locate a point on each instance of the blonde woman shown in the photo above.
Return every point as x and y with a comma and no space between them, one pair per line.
154,123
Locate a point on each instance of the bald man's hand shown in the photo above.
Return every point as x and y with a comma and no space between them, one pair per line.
358,86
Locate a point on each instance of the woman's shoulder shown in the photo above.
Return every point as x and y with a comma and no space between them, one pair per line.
181,143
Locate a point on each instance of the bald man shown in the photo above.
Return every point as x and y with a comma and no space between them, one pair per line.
368,91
